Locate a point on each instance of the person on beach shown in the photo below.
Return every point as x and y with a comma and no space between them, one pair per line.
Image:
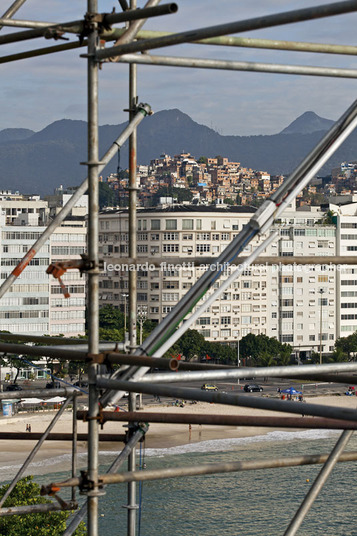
27,427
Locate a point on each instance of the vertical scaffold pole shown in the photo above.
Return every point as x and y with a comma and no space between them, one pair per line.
93,274
132,506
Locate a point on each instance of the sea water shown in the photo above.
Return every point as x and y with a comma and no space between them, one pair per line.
244,503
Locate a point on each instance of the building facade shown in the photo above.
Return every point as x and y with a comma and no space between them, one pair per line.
295,304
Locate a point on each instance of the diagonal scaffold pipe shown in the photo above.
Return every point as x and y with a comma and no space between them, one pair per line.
142,111
260,222
267,21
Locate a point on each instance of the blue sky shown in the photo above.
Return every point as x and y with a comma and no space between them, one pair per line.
38,91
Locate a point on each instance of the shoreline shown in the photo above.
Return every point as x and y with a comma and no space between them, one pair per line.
55,455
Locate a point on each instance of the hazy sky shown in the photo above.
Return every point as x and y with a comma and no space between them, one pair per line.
38,91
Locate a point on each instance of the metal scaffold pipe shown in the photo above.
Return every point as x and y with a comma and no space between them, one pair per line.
35,393
224,420
186,393
268,21
34,452
205,469
227,65
78,26
334,457
93,274
247,42
11,10
142,111
293,371
117,463
59,436
33,509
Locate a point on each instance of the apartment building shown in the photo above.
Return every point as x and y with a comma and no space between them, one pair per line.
296,304
345,214
35,304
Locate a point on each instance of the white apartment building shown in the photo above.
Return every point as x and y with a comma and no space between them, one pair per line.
35,304
296,305
345,210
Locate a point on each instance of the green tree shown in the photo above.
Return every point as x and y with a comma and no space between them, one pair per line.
191,344
110,317
27,492
181,194
107,196
202,160
261,349
228,201
347,345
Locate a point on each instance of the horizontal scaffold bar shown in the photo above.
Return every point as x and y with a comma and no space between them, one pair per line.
125,262
269,404
206,469
224,420
57,436
228,65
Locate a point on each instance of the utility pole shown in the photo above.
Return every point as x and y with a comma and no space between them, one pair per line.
125,296
321,291
238,359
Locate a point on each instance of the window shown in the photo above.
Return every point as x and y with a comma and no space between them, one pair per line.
225,320
155,225
287,326
200,248
187,225
287,279
203,320
155,237
287,338
287,314
203,236
171,225
246,319
205,332
171,236
286,303
170,248
198,225
170,296
225,332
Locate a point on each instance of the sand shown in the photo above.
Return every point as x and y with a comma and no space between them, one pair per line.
50,457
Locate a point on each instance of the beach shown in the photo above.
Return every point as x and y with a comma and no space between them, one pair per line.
55,455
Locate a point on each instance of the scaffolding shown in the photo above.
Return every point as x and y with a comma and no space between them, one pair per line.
131,45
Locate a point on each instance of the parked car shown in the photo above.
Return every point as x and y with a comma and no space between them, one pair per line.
209,387
53,385
13,387
252,387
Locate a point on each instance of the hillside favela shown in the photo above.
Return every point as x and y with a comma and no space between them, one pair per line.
178,269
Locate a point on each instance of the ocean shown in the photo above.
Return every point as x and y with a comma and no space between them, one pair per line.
246,503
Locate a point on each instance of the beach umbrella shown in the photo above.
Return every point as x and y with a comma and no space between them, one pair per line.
291,391
31,401
55,400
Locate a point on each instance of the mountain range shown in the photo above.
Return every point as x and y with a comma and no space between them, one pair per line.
37,162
